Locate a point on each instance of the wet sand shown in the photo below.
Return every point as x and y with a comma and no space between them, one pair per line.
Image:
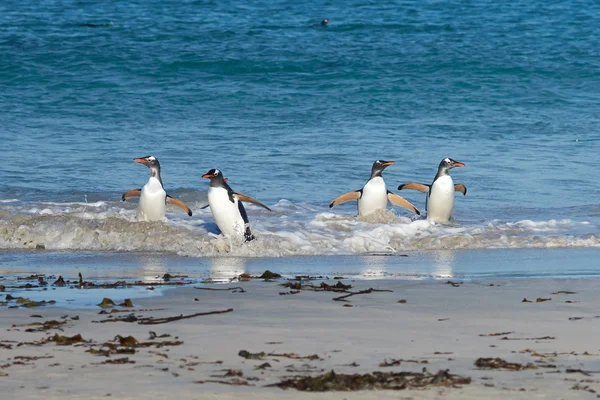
439,326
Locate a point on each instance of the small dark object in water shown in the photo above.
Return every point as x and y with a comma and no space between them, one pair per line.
59,282
106,302
322,23
126,303
267,275
90,25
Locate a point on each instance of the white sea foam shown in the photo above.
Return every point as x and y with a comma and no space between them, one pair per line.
291,229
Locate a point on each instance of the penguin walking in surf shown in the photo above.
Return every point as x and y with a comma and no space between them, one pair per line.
227,208
153,197
374,196
440,194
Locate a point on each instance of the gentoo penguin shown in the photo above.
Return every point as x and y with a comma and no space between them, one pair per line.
440,194
227,208
153,197
323,23
374,195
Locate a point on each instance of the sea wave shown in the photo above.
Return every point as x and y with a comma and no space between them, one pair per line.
291,229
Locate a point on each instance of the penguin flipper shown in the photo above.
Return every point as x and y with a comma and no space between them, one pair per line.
459,187
346,197
180,204
402,202
421,187
248,199
131,193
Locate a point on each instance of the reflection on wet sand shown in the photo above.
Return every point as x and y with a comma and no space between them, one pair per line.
227,267
444,261
374,267
151,266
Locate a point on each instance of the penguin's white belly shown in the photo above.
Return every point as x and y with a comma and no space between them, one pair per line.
152,202
441,200
226,214
374,197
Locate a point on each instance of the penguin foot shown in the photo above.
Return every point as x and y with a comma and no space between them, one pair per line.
248,236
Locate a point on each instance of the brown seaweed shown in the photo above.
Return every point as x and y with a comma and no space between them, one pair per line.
332,381
499,363
65,340
251,356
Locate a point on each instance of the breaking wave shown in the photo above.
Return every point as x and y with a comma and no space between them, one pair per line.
291,229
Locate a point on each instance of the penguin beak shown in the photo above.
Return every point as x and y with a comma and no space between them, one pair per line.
387,163
140,161
458,164
208,176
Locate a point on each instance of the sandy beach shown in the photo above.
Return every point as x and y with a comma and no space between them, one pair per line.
288,333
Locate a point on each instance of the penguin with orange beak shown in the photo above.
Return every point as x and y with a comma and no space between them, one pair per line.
153,198
227,208
440,194
374,196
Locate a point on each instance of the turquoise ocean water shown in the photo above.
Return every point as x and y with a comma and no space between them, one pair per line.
294,114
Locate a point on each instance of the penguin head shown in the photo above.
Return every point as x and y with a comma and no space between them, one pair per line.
214,175
379,166
149,161
325,21
152,163
448,163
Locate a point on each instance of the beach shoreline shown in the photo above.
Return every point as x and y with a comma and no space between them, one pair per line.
409,324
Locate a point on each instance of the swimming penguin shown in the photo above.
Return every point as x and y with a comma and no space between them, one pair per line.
440,194
374,195
323,23
227,208
153,197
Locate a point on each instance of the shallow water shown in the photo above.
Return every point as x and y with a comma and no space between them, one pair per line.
480,266
472,265
295,114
